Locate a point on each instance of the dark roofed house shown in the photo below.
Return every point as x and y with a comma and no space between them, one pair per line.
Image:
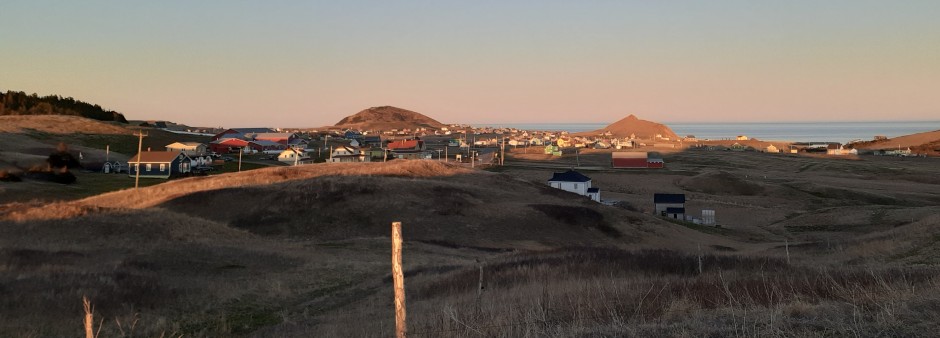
663,202
575,182
159,164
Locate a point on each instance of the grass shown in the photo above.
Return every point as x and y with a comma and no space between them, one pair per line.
609,292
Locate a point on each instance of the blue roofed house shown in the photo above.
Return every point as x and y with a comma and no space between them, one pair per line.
159,164
670,205
575,182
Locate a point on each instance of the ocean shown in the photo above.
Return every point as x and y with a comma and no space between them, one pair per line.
842,132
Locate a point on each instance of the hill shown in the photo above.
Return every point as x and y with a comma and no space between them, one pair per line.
921,143
632,125
20,103
387,118
59,125
217,256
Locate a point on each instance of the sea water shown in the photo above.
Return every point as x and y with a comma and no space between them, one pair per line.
780,131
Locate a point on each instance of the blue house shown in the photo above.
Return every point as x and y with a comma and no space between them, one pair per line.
159,164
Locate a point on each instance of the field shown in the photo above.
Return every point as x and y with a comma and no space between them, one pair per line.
808,246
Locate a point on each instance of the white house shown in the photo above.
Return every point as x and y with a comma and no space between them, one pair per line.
188,148
349,154
291,156
575,182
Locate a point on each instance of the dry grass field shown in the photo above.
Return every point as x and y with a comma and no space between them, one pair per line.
809,246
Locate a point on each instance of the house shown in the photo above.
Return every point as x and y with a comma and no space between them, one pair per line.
742,138
575,182
159,164
240,133
267,146
282,138
231,145
188,148
291,156
771,149
738,147
372,141
412,154
406,145
669,205
349,154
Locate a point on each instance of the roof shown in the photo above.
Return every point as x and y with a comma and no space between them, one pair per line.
675,210
155,157
628,154
403,144
188,144
669,198
569,176
265,143
231,141
272,135
590,190
253,130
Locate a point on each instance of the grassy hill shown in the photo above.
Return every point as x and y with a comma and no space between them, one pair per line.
233,253
810,247
20,103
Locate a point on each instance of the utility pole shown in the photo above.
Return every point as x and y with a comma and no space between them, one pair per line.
240,151
140,145
502,152
439,155
445,154
398,278
577,152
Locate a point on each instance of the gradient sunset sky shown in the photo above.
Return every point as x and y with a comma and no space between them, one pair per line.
310,63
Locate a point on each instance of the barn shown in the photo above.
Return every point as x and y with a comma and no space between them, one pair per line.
635,160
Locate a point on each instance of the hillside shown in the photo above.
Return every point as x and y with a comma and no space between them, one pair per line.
20,103
632,125
387,118
921,143
217,256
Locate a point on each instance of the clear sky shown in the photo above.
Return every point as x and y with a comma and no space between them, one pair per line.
310,63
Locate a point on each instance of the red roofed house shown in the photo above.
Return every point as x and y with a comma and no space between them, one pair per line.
159,164
282,138
232,145
406,145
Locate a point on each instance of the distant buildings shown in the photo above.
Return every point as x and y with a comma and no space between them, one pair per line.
669,205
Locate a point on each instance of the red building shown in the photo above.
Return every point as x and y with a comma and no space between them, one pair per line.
231,145
634,160
406,145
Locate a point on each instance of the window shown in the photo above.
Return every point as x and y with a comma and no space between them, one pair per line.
577,186
162,167
149,167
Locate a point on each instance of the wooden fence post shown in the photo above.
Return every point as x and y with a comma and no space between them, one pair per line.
398,277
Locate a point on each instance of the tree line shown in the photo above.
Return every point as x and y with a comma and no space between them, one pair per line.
20,103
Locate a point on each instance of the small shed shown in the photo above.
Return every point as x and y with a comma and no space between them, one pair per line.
662,202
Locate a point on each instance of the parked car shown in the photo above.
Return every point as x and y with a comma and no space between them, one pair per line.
227,159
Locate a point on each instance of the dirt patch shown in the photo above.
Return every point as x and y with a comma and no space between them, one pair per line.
721,183
578,216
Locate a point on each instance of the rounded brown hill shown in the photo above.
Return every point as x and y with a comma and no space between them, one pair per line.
632,125
388,118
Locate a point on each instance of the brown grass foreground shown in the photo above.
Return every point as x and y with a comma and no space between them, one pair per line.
155,195
611,292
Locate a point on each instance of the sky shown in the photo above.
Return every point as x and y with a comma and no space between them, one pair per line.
285,63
